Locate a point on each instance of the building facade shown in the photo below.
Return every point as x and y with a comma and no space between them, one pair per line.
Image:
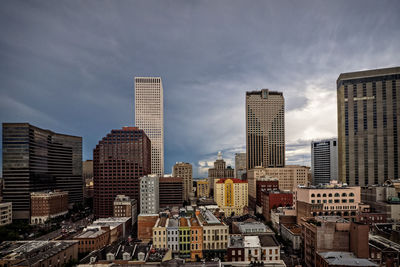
231,195
196,240
47,205
184,170
368,126
289,178
329,200
271,200
35,160
149,116
219,171
171,192
265,184
149,194
240,165
118,173
5,213
265,129
203,189
160,233
124,206
324,161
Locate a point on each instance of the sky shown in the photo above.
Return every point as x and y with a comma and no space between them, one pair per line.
69,66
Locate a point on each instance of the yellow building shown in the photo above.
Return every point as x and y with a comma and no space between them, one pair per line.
203,188
160,233
231,195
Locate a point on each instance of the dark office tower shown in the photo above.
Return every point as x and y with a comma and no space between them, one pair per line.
35,160
119,160
368,126
265,129
324,161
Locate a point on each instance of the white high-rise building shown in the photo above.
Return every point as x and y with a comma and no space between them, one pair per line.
149,191
324,161
149,116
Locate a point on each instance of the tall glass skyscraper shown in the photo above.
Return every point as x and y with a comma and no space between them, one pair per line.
149,116
35,160
368,126
324,161
265,129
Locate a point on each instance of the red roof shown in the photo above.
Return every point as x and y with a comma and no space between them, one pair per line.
235,180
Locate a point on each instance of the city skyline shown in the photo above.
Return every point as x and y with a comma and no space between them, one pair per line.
71,71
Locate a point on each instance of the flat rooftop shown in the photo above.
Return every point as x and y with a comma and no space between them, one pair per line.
345,259
91,233
251,241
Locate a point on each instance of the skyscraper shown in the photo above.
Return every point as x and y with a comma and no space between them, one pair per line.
184,171
368,126
240,165
35,160
219,171
265,129
119,160
149,116
324,161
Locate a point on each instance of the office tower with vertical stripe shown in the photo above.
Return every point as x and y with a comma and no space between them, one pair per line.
324,161
265,129
368,126
149,116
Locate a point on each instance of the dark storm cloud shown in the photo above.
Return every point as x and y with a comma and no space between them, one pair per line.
69,65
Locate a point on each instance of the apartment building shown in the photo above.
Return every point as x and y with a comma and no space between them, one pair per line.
231,195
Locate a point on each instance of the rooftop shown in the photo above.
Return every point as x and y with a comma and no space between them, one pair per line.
173,222
234,180
236,242
268,241
31,252
251,241
345,259
90,233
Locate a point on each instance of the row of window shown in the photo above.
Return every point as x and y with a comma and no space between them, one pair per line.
336,195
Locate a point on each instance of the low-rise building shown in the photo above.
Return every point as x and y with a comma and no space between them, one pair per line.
250,228
160,233
383,251
93,239
283,215
235,251
231,195
47,205
215,235
184,238
38,253
173,235
292,234
328,200
196,240
382,199
5,213
145,226
265,184
333,233
203,188
342,259
124,206
122,225
270,248
272,200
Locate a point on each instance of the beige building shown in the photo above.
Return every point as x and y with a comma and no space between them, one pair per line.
47,205
329,200
231,195
149,116
124,206
184,170
219,171
203,189
368,126
160,233
215,232
265,129
289,177
5,213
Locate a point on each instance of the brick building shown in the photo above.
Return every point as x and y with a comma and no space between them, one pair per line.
333,233
5,213
145,226
47,205
196,240
171,191
274,199
118,173
265,184
124,206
